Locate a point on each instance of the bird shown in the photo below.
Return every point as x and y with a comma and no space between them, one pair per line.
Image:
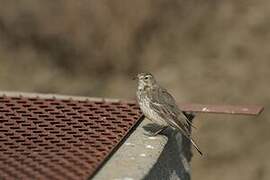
159,106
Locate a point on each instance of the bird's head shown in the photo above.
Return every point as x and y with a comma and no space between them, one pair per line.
145,80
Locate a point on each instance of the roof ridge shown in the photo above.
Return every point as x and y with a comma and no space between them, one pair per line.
59,96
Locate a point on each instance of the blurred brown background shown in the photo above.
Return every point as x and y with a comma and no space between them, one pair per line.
203,51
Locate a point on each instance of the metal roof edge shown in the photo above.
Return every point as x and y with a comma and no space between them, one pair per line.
58,96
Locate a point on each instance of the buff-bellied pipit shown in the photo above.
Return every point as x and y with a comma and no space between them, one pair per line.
160,107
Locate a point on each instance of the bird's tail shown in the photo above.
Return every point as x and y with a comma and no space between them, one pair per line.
196,147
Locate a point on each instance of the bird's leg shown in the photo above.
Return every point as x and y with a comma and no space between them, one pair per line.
158,131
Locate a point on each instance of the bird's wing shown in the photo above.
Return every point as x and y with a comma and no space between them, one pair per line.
164,104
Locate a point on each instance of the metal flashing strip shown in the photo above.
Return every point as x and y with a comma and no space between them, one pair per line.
223,109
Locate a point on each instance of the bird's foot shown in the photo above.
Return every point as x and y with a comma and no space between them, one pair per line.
151,134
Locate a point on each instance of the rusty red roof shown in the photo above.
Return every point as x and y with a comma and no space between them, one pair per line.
60,139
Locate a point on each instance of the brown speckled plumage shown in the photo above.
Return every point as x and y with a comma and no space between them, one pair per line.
160,107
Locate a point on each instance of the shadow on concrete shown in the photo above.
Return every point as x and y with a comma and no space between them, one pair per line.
173,163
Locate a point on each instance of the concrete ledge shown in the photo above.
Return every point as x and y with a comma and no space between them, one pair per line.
149,158
135,158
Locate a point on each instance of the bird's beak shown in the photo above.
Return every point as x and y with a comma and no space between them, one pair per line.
134,78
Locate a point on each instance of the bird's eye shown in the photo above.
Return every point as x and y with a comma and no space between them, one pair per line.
146,77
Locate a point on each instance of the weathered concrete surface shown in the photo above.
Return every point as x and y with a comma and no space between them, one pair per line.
135,158
149,158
